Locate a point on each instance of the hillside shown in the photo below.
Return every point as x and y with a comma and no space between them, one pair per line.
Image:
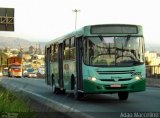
13,42
152,47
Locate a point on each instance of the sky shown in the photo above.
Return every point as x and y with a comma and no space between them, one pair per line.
44,20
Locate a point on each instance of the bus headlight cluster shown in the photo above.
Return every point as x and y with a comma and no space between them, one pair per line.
137,77
92,78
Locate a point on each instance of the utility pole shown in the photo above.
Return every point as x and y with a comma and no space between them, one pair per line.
76,11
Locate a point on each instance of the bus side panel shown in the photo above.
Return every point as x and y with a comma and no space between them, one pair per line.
55,72
66,74
72,69
69,69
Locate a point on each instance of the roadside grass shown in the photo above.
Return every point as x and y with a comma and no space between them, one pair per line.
11,102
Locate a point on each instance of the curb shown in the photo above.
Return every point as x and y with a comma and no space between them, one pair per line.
58,107
156,85
65,110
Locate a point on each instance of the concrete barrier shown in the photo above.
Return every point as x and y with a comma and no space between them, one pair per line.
151,82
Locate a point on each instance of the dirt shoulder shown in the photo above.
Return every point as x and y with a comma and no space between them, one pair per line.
43,111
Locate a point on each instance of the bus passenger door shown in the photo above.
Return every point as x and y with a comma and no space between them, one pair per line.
66,64
60,66
48,80
79,63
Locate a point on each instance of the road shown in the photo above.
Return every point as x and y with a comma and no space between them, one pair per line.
94,105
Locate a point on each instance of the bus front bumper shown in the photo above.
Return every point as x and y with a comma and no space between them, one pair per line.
96,87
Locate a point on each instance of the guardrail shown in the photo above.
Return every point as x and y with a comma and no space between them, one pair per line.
153,71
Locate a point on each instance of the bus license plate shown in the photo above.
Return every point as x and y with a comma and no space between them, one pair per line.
115,85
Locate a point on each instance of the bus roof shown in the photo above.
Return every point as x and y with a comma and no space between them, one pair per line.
85,31
75,33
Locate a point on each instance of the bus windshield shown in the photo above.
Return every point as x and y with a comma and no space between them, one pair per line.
16,67
113,51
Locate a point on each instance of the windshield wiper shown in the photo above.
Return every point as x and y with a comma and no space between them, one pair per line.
109,50
136,62
101,37
122,51
128,38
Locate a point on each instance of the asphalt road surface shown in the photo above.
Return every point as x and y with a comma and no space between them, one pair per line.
94,105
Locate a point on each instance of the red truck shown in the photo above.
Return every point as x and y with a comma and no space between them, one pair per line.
15,67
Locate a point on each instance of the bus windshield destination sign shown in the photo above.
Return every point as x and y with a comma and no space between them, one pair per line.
111,29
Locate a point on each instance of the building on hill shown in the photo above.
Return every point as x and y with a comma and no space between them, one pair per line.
3,60
31,49
152,58
152,63
7,50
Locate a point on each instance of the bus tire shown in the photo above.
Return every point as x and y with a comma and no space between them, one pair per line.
55,90
63,91
123,95
77,95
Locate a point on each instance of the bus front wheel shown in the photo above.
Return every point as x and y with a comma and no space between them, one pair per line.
123,95
55,89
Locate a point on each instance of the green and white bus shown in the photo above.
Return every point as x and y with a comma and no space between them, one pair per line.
97,59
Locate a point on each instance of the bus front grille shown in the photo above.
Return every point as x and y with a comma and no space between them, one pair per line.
116,72
113,80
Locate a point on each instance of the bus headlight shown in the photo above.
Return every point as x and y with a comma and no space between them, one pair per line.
92,78
137,77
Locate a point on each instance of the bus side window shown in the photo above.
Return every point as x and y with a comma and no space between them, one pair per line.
67,44
85,51
72,42
52,53
66,49
55,52
72,49
49,54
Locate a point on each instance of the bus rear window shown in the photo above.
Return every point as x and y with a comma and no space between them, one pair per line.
111,29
